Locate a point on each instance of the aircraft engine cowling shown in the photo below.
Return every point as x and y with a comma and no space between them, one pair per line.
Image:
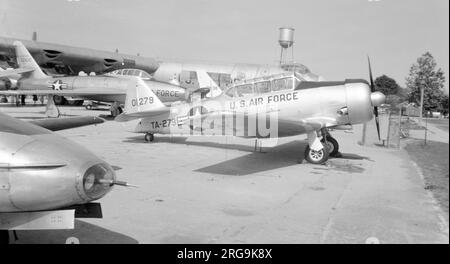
359,104
50,172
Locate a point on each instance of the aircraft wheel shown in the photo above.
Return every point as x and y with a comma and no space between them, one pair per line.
316,157
149,137
332,145
59,100
4,237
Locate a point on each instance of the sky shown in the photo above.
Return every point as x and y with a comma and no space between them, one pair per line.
332,37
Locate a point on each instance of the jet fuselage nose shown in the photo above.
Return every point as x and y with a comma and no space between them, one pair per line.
51,172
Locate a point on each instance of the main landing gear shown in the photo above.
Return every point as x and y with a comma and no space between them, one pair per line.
319,150
115,109
149,137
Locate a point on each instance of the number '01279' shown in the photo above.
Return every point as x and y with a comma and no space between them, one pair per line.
142,101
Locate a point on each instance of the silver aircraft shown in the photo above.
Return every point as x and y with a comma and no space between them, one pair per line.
223,74
267,107
96,88
44,176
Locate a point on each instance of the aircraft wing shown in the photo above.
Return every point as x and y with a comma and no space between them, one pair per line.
317,123
74,92
12,72
55,124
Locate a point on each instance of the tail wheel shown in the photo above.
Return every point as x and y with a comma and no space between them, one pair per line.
331,144
149,137
316,156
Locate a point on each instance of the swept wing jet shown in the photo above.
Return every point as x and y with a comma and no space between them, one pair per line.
268,107
71,60
97,88
44,176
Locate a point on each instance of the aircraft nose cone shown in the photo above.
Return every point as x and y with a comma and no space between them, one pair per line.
377,98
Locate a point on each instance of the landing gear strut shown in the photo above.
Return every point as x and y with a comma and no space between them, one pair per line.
149,137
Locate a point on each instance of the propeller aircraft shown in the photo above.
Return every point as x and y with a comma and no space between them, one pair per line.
273,106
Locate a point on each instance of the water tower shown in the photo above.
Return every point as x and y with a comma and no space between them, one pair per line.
286,41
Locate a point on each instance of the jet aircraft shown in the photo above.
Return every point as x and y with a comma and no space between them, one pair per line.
272,106
97,88
44,176
71,60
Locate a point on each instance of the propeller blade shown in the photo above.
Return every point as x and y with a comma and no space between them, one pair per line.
375,108
372,85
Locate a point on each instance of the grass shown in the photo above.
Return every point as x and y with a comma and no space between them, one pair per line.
433,160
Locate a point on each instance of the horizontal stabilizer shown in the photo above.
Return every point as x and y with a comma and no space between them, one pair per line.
12,72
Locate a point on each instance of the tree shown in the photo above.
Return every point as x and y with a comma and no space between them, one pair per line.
386,85
423,74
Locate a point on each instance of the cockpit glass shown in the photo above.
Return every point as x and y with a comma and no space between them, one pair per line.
145,75
281,84
244,90
231,92
262,87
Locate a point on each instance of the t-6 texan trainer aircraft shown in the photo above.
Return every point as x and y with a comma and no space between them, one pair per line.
44,176
97,88
268,107
71,60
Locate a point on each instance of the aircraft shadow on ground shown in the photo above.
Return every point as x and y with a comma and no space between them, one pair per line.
350,156
270,158
85,232
184,141
281,156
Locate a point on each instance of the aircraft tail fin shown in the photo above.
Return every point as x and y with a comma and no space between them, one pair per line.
205,81
141,102
26,61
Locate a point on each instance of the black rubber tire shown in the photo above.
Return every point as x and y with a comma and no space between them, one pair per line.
88,107
316,157
335,145
59,100
149,137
